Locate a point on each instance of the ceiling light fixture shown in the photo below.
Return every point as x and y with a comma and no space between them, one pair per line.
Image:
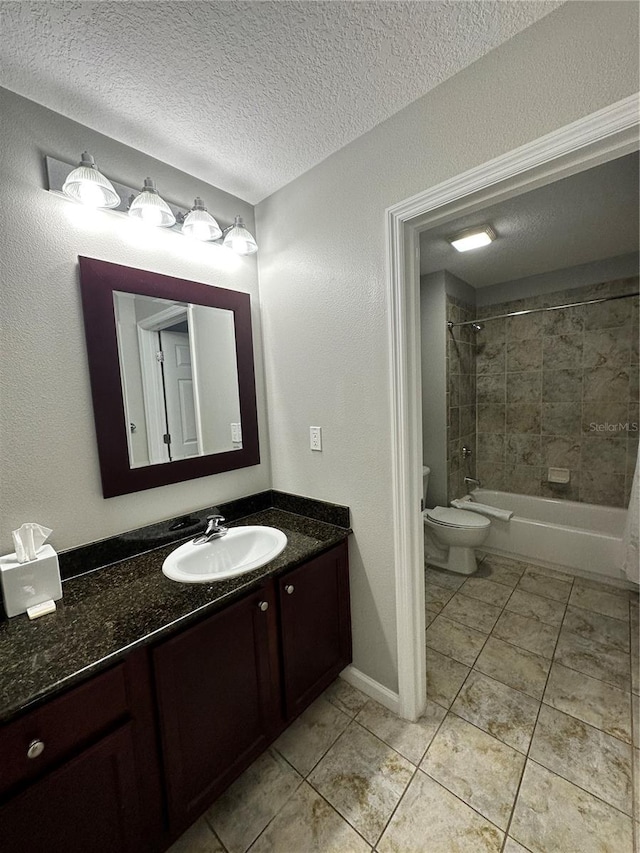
88,186
199,224
474,238
150,208
238,239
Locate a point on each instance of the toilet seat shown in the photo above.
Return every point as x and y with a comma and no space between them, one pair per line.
459,518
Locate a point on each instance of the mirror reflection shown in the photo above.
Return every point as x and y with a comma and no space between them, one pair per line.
173,356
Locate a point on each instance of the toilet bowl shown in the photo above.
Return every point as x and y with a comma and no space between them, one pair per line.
452,535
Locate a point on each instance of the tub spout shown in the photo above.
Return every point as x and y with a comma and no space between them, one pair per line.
472,480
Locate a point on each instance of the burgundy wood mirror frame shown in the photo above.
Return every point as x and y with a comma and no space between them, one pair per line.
98,281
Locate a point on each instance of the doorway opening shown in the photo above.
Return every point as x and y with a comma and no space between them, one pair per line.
594,140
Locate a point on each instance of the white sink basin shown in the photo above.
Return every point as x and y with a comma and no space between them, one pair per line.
241,550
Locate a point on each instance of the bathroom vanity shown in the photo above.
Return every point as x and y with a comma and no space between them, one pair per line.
132,708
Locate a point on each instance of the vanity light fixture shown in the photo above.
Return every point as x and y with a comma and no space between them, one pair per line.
88,186
238,239
199,224
150,208
473,239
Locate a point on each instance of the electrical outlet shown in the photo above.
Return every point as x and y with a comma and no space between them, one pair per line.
315,438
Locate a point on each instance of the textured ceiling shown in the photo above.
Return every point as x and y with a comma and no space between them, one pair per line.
588,217
244,95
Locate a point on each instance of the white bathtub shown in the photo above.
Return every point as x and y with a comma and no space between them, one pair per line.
581,538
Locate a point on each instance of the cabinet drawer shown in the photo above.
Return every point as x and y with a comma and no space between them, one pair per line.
60,728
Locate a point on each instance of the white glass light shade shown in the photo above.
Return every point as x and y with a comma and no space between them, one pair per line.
199,224
88,186
473,239
149,208
239,240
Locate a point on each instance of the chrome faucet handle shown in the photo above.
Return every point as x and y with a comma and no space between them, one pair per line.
214,523
214,530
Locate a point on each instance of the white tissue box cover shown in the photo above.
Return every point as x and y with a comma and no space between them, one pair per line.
27,584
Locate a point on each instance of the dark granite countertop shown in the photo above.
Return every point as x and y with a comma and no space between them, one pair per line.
106,613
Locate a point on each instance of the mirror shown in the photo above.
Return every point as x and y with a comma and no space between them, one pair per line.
172,377
175,406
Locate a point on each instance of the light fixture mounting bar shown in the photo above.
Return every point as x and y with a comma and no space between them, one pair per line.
57,172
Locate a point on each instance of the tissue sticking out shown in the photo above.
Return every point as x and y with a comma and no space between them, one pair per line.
28,540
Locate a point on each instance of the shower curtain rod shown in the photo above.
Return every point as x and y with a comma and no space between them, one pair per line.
451,324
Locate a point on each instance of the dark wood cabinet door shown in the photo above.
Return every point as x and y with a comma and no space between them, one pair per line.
315,627
89,804
217,693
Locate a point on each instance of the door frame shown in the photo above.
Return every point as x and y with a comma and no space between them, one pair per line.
605,135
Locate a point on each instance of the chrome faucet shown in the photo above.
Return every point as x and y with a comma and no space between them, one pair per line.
477,483
214,530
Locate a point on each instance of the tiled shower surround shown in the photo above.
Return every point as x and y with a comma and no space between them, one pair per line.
554,389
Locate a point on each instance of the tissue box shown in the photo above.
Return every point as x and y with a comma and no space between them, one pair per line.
27,584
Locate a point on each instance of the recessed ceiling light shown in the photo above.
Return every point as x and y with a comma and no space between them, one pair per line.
473,239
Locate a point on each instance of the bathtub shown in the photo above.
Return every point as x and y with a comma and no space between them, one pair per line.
583,539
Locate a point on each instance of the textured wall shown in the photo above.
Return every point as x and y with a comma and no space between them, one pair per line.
49,468
322,271
560,389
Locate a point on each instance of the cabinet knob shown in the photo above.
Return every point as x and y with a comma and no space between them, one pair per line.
35,748
263,605
289,588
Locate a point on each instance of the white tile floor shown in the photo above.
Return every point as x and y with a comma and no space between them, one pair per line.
529,743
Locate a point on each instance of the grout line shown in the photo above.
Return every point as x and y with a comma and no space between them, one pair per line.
304,776
595,677
584,790
282,806
305,779
315,791
387,746
464,802
552,660
506,831
397,805
589,725
341,816
528,758
535,726
216,836
495,636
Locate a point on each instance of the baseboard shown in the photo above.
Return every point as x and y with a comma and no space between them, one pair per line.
373,689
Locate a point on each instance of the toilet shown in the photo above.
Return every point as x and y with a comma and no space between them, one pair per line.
452,535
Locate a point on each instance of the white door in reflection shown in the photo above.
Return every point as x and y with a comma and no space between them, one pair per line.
178,393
